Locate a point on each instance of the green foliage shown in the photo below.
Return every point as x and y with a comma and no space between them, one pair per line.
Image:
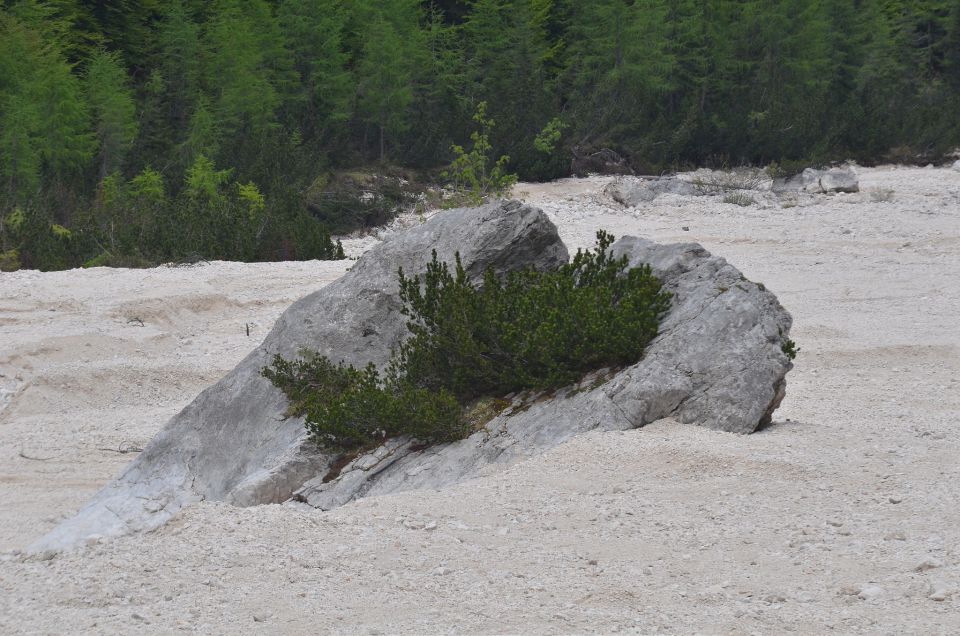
148,186
9,260
113,109
548,138
204,180
472,176
790,348
348,408
532,330
43,115
280,91
246,64
529,330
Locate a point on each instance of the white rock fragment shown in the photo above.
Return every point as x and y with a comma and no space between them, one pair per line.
870,592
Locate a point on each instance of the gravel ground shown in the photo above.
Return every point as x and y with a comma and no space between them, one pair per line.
843,516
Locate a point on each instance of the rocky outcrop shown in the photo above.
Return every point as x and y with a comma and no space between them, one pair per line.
819,181
717,362
234,443
633,192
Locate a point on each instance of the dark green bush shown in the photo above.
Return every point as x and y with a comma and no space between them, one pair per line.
526,330
532,330
349,408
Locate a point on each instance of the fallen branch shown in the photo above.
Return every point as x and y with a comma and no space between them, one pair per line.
130,448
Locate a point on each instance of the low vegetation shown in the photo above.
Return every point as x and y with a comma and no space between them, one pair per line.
528,330
739,198
732,182
472,176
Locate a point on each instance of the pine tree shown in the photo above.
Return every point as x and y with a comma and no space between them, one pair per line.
43,117
113,109
323,100
246,65
390,47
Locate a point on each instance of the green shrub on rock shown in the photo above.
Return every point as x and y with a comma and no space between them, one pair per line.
527,330
532,330
350,408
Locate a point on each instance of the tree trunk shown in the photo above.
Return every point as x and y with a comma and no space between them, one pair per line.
382,151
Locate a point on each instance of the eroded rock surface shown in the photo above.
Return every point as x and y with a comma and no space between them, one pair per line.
233,443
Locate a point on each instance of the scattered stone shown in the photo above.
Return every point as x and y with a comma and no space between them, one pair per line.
869,592
631,192
805,597
262,617
895,499
929,563
819,181
940,593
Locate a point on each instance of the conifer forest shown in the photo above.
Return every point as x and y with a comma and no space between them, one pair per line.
134,132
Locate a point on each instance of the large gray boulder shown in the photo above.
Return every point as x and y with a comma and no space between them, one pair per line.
631,192
819,181
717,362
234,443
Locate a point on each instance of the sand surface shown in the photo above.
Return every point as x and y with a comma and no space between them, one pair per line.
844,516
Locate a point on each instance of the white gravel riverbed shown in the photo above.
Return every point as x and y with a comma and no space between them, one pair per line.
843,516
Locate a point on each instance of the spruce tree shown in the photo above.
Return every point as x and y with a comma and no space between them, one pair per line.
113,109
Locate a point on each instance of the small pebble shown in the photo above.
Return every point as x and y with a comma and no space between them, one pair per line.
868,592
